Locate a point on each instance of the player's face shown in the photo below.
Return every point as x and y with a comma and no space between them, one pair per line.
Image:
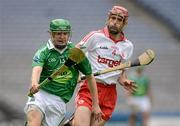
60,39
115,24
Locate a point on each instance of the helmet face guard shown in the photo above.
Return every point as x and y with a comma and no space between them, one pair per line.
119,11
57,25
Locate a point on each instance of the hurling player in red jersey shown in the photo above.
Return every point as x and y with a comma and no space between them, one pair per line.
105,48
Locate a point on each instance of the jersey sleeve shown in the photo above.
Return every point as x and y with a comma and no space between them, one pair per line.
39,58
84,67
88,42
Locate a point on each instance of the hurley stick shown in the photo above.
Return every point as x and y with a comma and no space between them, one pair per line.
144,59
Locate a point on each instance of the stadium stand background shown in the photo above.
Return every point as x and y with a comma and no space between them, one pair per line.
23,28
163,10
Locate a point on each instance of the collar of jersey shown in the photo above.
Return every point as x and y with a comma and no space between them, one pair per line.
51,46
106,33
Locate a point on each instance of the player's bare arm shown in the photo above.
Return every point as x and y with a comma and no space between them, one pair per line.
36,72
95,102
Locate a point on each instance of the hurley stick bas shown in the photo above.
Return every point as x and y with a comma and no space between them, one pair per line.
75,56
144,59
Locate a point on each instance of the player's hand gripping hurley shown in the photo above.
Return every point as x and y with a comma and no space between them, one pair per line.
144,59
75,57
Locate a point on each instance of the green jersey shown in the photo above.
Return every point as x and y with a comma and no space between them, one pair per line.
142,83
51,59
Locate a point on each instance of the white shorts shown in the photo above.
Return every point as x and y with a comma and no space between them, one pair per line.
139,104
52,107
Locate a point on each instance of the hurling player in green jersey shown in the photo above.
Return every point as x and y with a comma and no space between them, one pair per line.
48,106
140,101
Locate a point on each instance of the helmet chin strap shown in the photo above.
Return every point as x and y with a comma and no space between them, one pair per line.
60,47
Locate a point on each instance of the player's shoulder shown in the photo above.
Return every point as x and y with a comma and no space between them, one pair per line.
93,33
41,51
127,41
70,44
43,48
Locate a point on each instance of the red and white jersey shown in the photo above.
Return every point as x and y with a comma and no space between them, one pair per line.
103,53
